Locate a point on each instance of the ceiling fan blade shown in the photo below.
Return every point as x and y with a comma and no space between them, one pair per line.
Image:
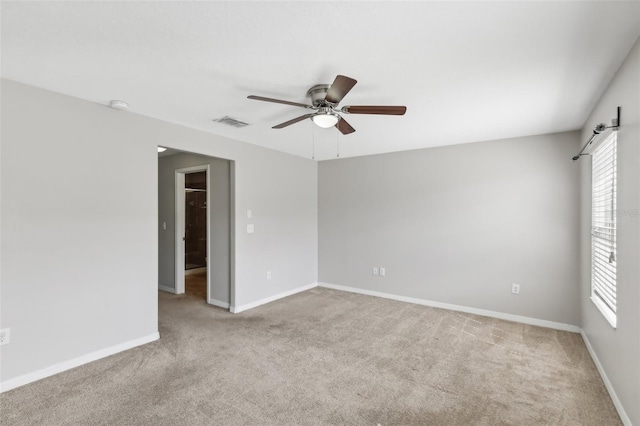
370,109
340,87
344,127
277,101
293,121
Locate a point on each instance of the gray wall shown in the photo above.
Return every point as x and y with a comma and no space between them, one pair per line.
80,224
458,225
219,213
618,350
79,271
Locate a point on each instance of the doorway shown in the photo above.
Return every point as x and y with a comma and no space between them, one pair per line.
174,168
195,234
192,231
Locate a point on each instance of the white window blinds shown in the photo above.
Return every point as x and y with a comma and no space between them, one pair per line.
603,228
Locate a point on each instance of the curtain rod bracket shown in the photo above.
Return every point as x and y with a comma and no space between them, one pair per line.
615,125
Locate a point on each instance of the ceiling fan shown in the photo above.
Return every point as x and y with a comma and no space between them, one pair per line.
324,102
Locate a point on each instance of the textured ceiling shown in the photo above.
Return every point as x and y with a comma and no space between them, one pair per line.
467,71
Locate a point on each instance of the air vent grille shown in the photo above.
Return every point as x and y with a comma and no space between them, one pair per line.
231,121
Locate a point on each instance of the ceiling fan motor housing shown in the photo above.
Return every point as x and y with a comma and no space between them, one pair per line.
317,94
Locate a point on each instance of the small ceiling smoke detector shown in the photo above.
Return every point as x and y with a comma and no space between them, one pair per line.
122,105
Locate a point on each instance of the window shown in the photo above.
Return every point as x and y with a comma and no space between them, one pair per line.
603,228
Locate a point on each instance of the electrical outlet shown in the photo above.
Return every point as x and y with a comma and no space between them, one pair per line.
515,288
383,272
5,336
250,229
268,275
375,271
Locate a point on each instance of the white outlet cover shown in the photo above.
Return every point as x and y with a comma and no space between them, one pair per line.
5,336
268,275
250,229
383,272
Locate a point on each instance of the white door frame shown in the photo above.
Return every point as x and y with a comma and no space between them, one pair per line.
180,226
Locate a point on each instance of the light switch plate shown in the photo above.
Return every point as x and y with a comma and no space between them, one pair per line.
249,214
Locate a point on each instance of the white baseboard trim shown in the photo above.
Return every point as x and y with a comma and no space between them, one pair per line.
238,309
459,308
219,303
76,362
612,393
167,289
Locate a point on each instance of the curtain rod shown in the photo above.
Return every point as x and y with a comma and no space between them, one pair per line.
615,124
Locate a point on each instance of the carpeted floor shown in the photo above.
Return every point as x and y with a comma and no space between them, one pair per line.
326,357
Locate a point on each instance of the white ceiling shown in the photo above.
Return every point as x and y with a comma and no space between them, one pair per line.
467,71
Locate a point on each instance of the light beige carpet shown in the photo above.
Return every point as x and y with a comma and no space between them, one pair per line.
326,357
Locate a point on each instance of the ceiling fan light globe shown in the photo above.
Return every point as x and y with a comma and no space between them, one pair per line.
325,120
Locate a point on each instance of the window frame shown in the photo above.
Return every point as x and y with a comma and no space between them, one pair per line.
604,278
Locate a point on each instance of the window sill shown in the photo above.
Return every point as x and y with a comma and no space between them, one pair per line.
605,311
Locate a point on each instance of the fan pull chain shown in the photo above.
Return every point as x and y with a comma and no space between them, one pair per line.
313,142
337,145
